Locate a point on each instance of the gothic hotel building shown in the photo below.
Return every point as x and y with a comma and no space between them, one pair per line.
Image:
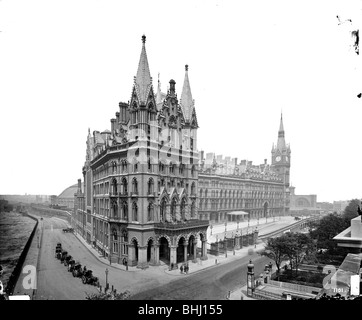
148,194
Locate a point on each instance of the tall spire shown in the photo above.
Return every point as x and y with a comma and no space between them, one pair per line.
186,102
281,140
143,80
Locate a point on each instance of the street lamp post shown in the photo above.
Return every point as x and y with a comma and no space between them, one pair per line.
106,280
226,245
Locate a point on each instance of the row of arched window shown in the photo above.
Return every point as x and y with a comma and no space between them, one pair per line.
111,168
123,214
150,186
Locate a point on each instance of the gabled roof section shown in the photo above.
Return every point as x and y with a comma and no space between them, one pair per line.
143,80
186,102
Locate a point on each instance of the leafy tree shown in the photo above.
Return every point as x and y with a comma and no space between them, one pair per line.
108,296
324,230
298,246
350,211
275,250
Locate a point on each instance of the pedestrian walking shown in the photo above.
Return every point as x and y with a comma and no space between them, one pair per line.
182,269
187,268
270,265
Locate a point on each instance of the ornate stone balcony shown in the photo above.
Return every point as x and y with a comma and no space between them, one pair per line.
179,225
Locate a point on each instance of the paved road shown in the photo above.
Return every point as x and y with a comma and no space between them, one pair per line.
213,283
55,282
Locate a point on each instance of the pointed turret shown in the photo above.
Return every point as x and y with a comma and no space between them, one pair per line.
143,80
186,102
160,96
281,139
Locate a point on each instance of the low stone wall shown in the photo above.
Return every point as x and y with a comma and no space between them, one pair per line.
295,287
19,266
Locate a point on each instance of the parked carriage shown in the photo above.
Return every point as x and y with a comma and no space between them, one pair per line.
77,270
71,264
67,259
58,252
63,256
89,278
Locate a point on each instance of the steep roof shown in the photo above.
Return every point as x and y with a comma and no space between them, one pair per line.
186,101
281,139
143,80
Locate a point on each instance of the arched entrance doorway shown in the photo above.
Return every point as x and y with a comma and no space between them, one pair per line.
164,250
191,248
181,250
150,251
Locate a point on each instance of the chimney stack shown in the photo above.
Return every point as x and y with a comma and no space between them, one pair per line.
79,191
113,121
172,86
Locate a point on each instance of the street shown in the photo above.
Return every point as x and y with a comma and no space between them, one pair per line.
210,284
55,282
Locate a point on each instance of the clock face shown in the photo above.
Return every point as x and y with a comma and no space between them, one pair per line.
278,158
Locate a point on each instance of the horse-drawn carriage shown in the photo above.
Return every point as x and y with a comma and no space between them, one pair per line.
63,256
77,270
58,252
67,259
71,264
89,278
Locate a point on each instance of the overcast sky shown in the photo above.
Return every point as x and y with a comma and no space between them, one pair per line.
65,66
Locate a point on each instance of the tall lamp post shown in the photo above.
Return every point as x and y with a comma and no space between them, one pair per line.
106,280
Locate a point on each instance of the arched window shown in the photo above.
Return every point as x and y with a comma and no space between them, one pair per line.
181,169
193,191
124,166
134,186
150,212
135,167
192,171
193,209
114,208
114,167
173,209
200,193
134,212
183,209
114,187
163,210
161,167
150,186
125,211
124,186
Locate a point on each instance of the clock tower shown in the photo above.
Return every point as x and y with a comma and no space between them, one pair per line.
281,162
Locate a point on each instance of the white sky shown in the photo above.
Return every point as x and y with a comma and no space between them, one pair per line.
65,65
